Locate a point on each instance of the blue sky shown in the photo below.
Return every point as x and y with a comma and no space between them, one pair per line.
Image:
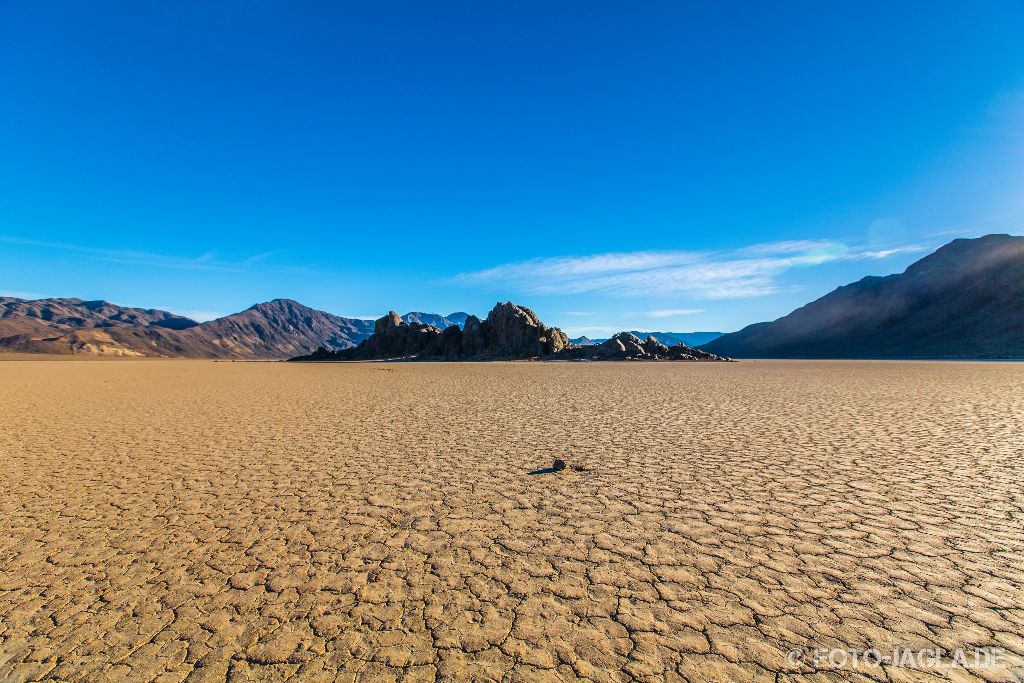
671,166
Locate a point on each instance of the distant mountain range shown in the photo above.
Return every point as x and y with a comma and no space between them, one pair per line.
966,300
585,341
281,328
276,329
666,338
439,321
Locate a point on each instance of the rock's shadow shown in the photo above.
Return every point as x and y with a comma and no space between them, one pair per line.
558,466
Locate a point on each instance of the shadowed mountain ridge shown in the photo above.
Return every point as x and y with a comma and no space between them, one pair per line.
965,300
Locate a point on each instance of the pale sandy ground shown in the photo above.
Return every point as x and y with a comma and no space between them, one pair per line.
190,520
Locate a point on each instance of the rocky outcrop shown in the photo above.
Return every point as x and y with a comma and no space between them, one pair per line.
394,338
627,346
448,344
624,344
509,332
672,338
512,331
473,340
655,348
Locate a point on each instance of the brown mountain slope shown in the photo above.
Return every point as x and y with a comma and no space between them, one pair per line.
966,300
276,329
121,340
72,326
76,313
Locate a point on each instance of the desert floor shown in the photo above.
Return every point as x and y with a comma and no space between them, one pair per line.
192,520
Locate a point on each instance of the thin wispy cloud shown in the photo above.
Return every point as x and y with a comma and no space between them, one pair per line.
784,247
262,257
158,261
748,272
128,256
673,312
885,253
207,261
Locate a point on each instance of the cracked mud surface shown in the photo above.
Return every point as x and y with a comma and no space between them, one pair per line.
189,520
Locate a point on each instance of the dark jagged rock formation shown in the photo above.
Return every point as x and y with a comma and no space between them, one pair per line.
512,331
693,339
394,338
673,338
508,332
966,300
627,346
